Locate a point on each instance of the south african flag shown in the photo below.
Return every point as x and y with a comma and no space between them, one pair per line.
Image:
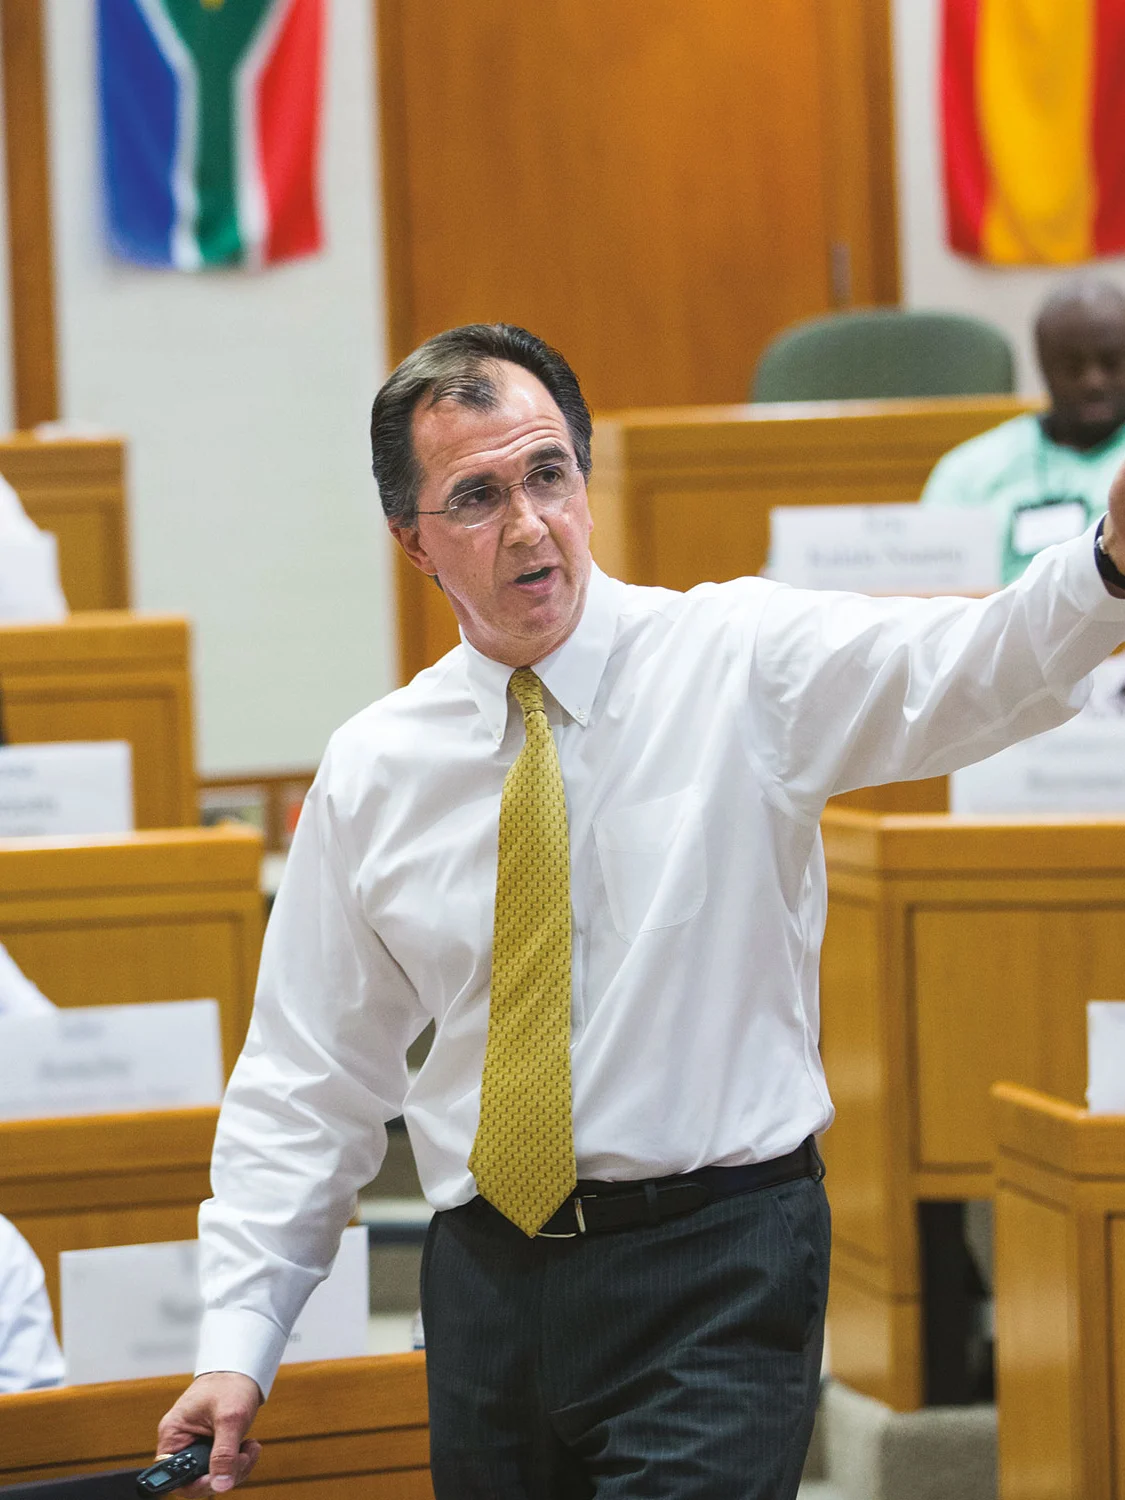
210,114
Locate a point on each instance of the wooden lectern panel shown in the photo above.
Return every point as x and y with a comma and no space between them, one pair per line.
175,915
682,495
957,951
75,488
687,492
1060,1288
330,1428
127,1179
109,676
1037,1340
1015,955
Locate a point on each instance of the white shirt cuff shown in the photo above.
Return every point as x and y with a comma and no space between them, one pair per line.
245,1342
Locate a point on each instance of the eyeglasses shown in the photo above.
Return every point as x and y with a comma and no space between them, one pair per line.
548,488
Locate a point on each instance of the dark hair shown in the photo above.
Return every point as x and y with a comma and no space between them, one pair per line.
458,365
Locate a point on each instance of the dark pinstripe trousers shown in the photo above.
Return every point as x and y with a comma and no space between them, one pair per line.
674,1362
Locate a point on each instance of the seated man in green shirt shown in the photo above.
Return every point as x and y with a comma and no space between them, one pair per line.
1047,477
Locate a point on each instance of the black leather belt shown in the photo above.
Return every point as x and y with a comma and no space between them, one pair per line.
600,1207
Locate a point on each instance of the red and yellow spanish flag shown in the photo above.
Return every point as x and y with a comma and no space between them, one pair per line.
1033,112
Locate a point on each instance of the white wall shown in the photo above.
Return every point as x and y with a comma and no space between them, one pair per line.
932,276
245,400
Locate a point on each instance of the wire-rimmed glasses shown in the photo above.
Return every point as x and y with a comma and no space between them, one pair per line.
548,487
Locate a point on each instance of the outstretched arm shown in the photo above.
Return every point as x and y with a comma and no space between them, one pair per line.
849,691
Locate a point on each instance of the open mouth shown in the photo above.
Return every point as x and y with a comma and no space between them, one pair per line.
535,577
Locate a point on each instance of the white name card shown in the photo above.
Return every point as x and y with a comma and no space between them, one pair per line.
69,787
1077,768
30,590
133,1311
885,549
1105,1039
102,1059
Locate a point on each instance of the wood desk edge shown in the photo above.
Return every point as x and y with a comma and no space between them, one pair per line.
108,1415
229,854
1032,1126
952,843
810,411
94,1145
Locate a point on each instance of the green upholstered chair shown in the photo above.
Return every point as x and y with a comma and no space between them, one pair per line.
881,352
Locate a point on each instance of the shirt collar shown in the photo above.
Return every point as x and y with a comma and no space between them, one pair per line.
571,674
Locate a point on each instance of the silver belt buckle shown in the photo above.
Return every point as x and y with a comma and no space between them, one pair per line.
572,1234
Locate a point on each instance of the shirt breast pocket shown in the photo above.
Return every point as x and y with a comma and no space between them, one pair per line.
653,862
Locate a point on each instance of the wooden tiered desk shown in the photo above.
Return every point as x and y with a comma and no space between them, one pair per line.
1060,1291
131,1179
958,952
340,1427
76,489
175,915
109,676
682,495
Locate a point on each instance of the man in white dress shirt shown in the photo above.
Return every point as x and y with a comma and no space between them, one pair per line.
18,996
661,1335
29,1352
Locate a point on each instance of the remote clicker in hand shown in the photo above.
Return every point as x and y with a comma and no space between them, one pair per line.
178,1469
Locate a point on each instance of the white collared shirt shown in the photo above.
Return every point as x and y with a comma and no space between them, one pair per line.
18,996
29,1351
699,735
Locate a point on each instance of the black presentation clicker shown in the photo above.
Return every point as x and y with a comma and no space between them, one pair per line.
178,1469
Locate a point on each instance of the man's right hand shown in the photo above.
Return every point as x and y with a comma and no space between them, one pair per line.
220,1406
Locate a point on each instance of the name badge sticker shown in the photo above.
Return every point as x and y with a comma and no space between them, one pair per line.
1059,518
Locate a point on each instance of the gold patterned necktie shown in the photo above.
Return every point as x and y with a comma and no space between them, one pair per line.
523,1155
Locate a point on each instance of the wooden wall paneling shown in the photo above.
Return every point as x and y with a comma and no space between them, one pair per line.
395,163
883,232
105,676
76,489
640,183
427,627
30,240
331,1428
926,1001
126,1179
174,915
858,148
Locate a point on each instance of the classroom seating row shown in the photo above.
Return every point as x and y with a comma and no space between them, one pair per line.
161,915
104,673
1060,1276
341,1427
75,488
959,952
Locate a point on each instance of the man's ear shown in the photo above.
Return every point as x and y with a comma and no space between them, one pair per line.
411,543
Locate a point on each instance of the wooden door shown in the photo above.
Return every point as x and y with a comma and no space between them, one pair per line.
655,186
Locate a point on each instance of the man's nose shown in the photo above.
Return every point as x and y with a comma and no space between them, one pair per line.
1093,377
523,523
